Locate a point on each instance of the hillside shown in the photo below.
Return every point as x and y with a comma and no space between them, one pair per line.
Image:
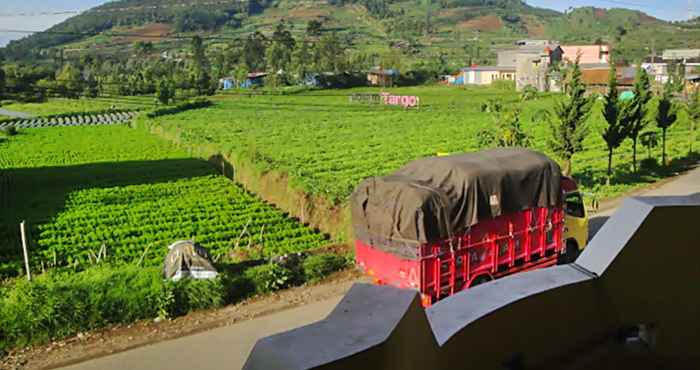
457,31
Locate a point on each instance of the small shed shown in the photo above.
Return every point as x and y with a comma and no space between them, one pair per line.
252,80
382,77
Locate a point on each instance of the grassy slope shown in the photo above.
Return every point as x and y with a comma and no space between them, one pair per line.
457,31
80,187
641,32
327,145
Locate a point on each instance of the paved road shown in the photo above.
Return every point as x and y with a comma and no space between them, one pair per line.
228,347
224,348
684,185
5,112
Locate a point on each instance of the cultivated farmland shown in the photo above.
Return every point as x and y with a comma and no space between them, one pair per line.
80,188
58,106
326,145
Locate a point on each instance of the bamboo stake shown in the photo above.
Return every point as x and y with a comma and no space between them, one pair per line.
245,229
144,255
24,248
262,230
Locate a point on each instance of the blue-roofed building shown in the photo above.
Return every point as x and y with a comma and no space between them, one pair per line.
255,79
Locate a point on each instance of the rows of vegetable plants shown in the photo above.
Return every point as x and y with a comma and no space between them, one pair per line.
108,117
327,146
116,195
69,146
137,222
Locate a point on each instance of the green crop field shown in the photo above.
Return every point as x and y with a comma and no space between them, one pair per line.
80,188
62,106
327,145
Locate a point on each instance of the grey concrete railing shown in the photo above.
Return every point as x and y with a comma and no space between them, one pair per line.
637,278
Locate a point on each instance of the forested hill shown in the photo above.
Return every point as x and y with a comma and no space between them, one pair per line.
460,31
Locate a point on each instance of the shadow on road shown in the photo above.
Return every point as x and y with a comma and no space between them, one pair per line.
594,225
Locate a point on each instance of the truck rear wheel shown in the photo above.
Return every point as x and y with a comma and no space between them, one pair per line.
480,280
571,253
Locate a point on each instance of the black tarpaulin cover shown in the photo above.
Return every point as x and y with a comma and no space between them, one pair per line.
435,198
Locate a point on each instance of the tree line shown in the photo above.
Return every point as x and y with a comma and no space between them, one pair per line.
143,70
626,119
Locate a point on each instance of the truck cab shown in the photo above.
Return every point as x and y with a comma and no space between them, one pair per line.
575,221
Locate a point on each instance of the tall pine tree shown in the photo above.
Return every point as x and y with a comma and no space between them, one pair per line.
568,126
637,110
666,115
201,75
616,130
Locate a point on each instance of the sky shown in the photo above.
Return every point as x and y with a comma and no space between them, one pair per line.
34,18
670,10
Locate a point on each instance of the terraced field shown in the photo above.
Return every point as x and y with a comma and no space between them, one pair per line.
82,188
61,106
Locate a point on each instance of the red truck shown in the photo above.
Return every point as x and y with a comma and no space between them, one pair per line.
443,224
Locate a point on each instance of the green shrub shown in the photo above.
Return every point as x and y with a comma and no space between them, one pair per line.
60,304
191,295
194,104
319,266
529,93
649,164
269,277
504,85
9,131
237,287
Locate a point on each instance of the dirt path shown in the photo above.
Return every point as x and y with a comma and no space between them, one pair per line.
229,330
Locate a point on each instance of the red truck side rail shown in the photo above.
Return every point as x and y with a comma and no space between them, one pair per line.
491,249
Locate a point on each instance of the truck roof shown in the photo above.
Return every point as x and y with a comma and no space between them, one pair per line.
435,198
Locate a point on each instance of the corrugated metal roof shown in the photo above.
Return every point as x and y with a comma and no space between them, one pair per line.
599,76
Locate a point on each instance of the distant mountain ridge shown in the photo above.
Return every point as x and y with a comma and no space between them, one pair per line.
459,30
